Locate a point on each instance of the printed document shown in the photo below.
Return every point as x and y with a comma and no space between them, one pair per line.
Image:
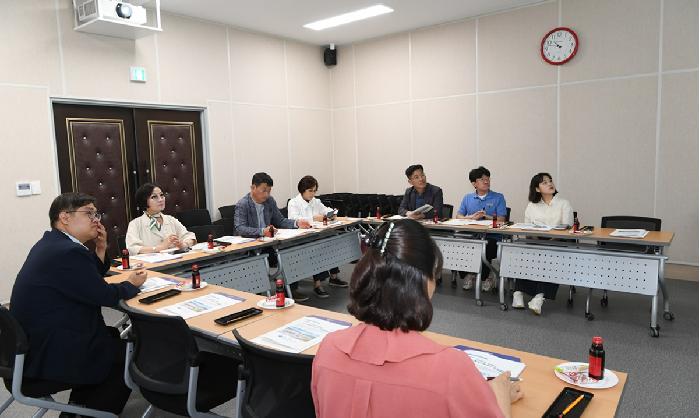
492,364
232,240
156,257
155,283
464,222
301,334
201,305
629,233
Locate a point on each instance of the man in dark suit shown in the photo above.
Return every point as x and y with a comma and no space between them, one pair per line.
257,215
57,299
420,193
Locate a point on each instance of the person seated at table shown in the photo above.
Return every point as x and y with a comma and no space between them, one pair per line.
546,208
257,213
306,206
385,367
482,204
420,193
57,299
155,231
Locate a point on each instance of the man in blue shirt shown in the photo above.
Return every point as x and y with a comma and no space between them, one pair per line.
484,203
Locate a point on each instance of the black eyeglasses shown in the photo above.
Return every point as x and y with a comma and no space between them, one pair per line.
94,216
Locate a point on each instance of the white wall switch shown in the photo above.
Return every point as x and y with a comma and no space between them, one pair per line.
36,187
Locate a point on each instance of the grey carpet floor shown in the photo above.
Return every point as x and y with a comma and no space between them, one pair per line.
663,372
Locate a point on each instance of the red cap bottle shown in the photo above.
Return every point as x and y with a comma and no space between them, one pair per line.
210,241
379,214
125,259
596,359
279,293
196,281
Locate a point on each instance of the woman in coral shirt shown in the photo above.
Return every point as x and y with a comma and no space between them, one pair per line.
385,367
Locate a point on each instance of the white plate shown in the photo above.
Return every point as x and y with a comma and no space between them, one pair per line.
215,250
187,286
580,370
270,303
133,267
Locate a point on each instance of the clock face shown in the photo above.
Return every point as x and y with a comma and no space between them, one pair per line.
559,46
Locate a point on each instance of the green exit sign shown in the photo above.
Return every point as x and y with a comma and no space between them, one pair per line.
137,74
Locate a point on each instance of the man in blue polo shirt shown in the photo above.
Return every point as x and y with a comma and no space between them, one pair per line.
484,203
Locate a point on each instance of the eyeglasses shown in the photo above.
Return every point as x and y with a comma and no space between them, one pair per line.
93,216
418,177
158,196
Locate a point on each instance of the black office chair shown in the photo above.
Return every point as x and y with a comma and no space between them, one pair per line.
285,210
507,214
227,211
337,204
164,363
352,206
447,211
27,391
396,202
202,231
277,384
228,225
194,217
385,205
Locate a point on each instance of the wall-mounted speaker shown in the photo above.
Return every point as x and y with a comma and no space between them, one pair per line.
330,56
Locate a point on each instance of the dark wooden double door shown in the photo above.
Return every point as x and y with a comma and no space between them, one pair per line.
108,152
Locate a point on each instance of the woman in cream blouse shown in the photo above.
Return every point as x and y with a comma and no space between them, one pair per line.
545,208
155,231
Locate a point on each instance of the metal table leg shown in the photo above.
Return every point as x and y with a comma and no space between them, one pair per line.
668,315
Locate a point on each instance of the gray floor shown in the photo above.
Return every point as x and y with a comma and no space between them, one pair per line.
663,372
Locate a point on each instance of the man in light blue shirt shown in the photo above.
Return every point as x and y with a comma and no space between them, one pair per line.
484,203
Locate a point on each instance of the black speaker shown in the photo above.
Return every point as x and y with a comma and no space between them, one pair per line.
330,56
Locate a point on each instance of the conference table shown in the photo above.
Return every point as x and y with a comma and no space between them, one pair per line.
539,383
558,256
245,266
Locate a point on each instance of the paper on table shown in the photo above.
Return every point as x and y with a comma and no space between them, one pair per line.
320,225
301,334
629,233
233,239
531,227
156,257
290,233
201,305
155,283
461,222
492,364
393,217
